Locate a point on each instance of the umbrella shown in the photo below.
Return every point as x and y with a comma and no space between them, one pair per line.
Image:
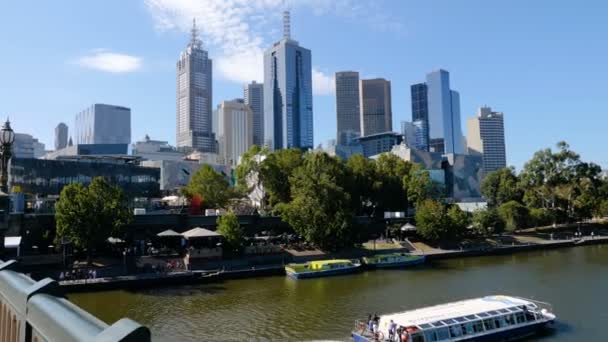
168,232
199,232
408,227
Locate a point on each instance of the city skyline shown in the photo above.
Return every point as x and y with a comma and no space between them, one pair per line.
500,82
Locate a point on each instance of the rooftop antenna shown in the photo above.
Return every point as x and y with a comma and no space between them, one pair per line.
194,41
286,24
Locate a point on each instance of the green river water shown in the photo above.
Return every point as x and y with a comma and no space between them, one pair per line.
574,280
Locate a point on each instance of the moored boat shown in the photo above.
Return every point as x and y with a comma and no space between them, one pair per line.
490,318
393,260
321,268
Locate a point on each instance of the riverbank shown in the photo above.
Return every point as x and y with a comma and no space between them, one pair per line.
136,282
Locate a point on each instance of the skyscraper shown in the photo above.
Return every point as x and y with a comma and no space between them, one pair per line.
420,114
435,104
61,136
376,110
409,133
254,97
287,94
347,107
194,97
103,124
235,130
486,136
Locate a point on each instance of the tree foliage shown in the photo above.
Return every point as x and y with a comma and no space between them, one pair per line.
390,172
232,232
275,172
88,216
501,186
514,215
211,186
487,222
320,210
436,222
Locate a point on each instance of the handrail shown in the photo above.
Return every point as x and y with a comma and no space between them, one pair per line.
37,311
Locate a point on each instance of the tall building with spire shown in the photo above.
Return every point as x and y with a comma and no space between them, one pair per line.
288,115
194,97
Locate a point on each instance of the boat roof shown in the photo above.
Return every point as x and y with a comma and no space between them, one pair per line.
455,309
337,261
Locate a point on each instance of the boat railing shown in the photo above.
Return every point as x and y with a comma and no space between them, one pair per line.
362,329
539,305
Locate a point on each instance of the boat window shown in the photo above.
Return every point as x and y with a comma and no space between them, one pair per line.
510,319
477,326
467,329
417,338
483,314
488,324
521,318
460,319
493,313
438,324
449,321
472,317
425,326
514,309
443,334
430,336
504,311
455,330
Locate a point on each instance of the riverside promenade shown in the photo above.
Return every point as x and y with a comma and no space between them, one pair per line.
135,282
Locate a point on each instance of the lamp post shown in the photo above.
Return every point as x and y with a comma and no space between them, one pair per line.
7,137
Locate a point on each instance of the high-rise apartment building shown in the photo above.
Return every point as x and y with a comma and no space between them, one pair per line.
235,130
437,107
347,107
409,133
376,110
254,97
61,136
103,124
486,136
194,97
288,94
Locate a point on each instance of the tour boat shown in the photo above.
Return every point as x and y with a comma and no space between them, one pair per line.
491,318
321,268
393,260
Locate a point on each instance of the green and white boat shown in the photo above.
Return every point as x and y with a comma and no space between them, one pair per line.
393,260
322,268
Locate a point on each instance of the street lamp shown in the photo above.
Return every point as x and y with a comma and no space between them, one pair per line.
7,137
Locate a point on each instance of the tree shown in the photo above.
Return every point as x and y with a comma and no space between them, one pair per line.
211,186
459,222
419,186
514,215
228,225
432,221
320,210
275,172
250,164
539,217
501,186
363,184
391,194
88,216
487,221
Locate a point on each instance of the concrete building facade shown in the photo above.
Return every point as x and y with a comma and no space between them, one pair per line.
103,124
254,98
194,97
288,113
26,146
235,130
347,107
375,106
379,143
486,136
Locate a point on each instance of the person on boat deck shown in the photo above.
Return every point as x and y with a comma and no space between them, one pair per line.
392,327
370,324
404,335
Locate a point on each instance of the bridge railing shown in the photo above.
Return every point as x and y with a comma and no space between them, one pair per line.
33,311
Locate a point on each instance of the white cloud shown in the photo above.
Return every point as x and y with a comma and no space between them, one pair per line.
107,61
323,84
238,31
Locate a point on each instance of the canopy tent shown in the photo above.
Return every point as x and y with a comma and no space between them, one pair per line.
169,233
13,242
408,227
114,240
199,233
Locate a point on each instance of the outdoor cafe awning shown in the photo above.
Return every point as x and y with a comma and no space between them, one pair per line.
169,233
408,227
199,233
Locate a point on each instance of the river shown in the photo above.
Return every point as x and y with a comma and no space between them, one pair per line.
574,280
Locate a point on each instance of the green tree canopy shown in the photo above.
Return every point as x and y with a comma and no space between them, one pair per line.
501,186
390,172
275,172
232,232
250,164
487,221
363,184
459,222
211,186
88,216
320,209
432,221
419,186
514,215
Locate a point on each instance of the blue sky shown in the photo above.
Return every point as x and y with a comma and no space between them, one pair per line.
543,63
